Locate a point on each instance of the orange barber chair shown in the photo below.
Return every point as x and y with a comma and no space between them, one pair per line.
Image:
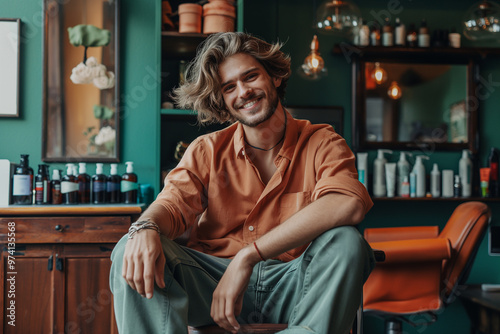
423,268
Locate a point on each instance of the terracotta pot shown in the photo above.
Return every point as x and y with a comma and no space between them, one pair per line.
190,18
219,16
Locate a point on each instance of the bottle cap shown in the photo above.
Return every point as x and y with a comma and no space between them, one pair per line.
435,167
69,169
82,168
56,175
114,169
98,169
130,166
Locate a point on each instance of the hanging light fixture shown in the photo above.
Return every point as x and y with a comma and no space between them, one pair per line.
338,16
394,91
314,66
482,21
379,74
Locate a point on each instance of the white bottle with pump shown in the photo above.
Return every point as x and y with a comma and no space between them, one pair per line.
435,181
379,186
419,170
465,172
403,171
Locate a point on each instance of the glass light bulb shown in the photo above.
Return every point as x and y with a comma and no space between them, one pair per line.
337,17
314,62
379,74
394,91
482,21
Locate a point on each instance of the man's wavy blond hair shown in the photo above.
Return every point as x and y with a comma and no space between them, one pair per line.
202,88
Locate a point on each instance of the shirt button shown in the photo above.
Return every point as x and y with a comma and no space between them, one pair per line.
250,228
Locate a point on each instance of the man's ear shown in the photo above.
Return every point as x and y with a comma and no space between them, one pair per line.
277,82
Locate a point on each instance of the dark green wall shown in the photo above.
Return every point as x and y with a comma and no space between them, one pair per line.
291,21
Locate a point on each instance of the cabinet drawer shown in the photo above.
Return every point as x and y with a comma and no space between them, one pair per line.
89,229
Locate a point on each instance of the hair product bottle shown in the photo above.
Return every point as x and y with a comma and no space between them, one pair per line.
465,173
113,185
403,171
99,185
493,162
419,170
435,181
424,38
83,184
379,185
69,186
387,34
411,36
399,33
55,187
42,189
22,182
129,185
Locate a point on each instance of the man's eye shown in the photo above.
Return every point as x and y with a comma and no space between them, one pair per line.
228,88
252,76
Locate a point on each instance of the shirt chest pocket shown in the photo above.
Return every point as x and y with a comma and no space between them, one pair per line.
293,202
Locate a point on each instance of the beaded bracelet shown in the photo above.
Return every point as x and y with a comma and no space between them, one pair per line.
142,225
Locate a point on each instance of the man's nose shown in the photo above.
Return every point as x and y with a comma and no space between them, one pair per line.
244,91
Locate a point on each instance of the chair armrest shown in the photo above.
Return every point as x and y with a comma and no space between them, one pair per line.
410,251
401,233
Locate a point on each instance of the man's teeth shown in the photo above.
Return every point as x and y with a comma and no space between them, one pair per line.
249,104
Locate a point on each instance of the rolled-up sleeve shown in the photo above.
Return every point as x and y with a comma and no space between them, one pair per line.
336,172
184,195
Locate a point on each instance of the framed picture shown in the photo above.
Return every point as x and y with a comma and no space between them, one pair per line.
333,115
458,122
9,67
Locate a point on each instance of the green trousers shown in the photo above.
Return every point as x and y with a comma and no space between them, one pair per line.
319,292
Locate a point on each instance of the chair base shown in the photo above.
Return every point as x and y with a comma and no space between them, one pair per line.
246,329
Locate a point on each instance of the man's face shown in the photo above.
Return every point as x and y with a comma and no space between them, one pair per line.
249,92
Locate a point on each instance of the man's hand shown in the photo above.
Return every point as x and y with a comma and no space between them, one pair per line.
227,299
144,262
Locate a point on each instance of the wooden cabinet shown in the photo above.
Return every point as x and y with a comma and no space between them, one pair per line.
55,267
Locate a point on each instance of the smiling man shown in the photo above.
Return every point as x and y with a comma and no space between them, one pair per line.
268,205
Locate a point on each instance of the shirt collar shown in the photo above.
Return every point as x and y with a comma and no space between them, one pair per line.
286,151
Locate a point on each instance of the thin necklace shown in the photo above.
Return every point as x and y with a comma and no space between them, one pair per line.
269,149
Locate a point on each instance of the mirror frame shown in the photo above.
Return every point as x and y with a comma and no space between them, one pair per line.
446,56
115,103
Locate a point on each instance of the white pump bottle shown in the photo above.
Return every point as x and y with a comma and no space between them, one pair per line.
465,172
403,170
419,170
379,185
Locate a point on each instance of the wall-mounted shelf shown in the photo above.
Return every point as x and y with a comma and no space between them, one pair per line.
434,54
176,112
177,45
435,199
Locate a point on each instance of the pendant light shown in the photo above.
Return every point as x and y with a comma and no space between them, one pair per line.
394,91
314,66
482,21
379,74
338,17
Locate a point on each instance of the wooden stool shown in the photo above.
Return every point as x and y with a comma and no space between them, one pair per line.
247,329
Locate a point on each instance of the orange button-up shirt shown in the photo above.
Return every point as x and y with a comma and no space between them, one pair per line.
216,191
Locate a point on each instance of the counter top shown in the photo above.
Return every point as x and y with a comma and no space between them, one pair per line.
64,210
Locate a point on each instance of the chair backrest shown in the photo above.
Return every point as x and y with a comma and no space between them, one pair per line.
465,230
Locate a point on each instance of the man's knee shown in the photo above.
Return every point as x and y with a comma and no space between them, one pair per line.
344,244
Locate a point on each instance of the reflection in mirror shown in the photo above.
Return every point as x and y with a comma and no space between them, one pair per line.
81,81
416,103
